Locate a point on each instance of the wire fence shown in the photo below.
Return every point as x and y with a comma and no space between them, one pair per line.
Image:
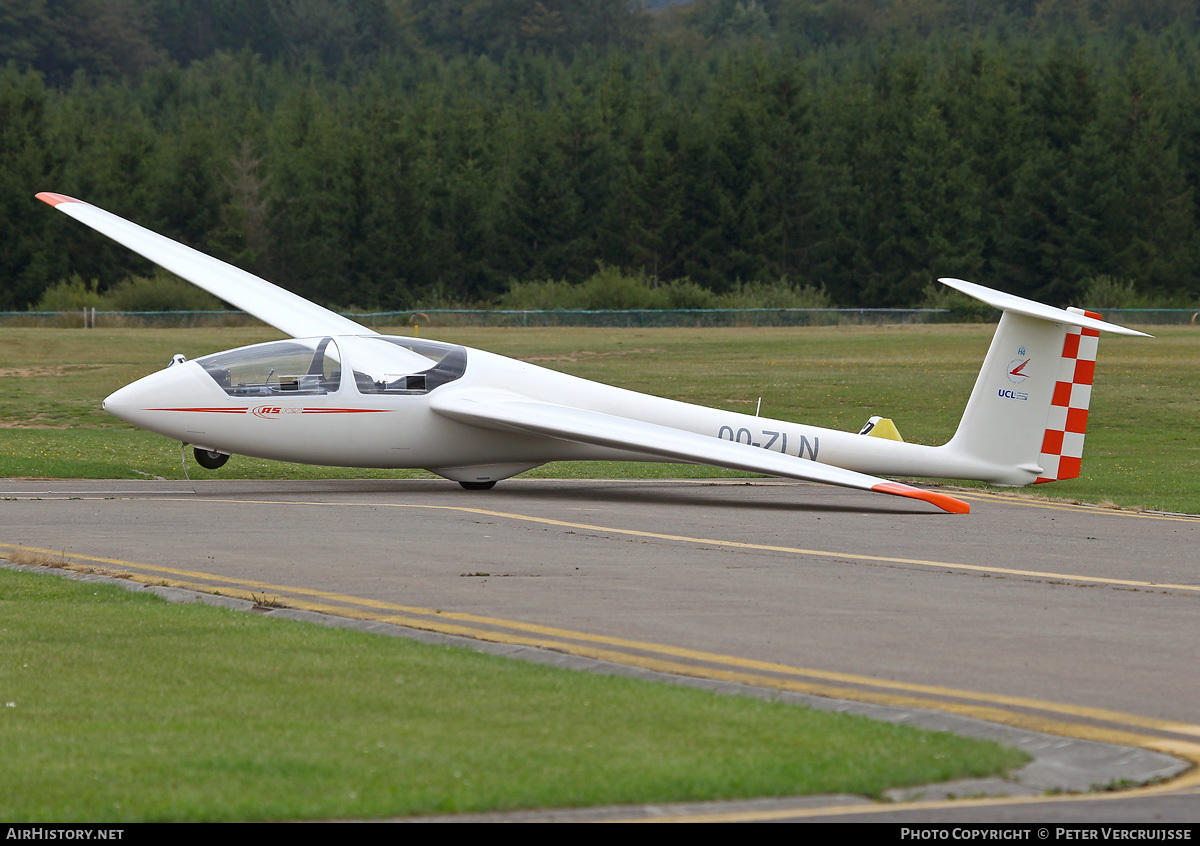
630,318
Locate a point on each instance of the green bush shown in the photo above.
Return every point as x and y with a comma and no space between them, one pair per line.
963,308
544,295
782,293
161,292
71,294
610,289
1108,292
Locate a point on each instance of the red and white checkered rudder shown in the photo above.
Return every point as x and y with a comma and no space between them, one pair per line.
1066,423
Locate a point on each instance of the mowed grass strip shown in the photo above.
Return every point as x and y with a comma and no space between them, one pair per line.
1140,449
117,706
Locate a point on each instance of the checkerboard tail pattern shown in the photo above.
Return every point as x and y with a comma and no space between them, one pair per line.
1062,446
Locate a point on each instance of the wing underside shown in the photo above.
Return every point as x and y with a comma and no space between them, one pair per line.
607,430
271,304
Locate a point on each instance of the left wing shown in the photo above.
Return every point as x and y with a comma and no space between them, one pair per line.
512,413
287,312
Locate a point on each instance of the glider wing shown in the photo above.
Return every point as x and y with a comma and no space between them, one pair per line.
607,430
287,312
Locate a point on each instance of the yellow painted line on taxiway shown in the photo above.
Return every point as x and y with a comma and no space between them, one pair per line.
1072,507
758,547
891,808
980,494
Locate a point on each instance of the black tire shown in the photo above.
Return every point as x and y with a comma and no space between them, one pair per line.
478,486
210,459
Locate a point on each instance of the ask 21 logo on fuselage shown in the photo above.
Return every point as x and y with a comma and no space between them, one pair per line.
272,412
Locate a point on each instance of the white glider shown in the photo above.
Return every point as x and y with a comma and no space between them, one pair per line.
341,394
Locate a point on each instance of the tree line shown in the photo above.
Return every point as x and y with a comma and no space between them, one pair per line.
466,149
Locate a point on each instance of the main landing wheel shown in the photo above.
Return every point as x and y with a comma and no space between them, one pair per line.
478,486
210,459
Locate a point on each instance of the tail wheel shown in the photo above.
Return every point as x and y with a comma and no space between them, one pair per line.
210,459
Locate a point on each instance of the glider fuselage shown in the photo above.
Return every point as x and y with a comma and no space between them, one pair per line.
345,426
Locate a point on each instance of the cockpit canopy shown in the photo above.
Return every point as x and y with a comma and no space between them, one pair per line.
378,364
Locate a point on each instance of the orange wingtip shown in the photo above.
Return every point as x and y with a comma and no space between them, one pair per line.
941,500
54,199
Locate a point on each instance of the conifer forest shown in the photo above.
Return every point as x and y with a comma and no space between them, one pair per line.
384,154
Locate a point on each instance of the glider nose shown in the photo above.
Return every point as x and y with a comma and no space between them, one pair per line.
145,402
127,403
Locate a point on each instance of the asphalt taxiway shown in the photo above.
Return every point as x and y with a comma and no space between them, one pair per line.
1068,629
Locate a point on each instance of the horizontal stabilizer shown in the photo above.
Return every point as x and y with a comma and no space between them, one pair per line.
1030,308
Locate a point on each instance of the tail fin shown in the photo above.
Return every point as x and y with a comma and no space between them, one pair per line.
1026,418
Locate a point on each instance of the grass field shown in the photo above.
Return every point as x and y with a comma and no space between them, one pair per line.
1141,450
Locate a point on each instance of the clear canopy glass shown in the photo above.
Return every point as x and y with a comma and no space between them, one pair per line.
379,364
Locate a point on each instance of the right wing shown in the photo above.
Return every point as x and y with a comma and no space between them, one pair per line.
511,413
287,312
